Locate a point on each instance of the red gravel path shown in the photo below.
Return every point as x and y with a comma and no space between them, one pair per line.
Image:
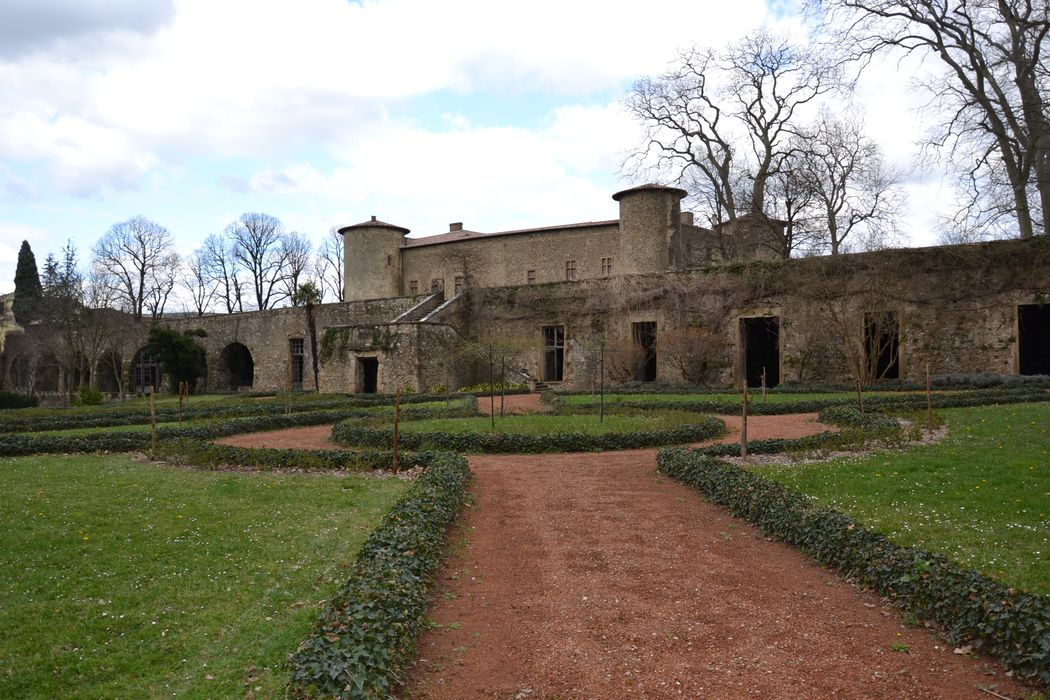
592,576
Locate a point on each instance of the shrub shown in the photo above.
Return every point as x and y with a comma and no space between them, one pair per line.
367,633
356,434
485,389
11,399
1003,621
87,397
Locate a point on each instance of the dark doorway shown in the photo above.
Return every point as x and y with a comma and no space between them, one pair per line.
760,343
298,354
644,334
368,371
882,342
553,353
236,368
1033,325
107,376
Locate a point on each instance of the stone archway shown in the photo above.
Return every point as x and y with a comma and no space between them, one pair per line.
236,368
108,372
20,374
145,371
48,374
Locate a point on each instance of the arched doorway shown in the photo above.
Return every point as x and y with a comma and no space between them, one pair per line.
236,368
20,374
47,374
107,373
145,372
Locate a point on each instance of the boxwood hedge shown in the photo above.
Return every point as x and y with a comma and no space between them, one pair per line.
28,421
210,455
15,444
367,633
359,435
1011,624
960,399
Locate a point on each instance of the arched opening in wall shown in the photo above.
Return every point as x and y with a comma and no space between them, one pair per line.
644,336
882,342
1033,338
145,372
107,373
47,374
760,348
236,368
19,374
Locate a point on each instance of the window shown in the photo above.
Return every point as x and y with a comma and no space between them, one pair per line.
553,353
570,270
882,342
413,287
295,347
459,285
530,277
437,284
389,260
606,267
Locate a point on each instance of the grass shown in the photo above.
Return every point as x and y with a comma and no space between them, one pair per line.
981,497
124,579
547,424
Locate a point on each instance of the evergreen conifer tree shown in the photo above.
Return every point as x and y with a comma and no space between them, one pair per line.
27,286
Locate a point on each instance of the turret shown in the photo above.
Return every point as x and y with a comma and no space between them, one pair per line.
372,260
650,228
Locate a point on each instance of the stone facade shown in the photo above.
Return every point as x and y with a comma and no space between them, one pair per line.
658,308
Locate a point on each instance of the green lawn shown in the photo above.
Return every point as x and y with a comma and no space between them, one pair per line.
982,496
539,424
124,579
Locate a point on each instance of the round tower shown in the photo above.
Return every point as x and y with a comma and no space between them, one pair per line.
650,228
372,260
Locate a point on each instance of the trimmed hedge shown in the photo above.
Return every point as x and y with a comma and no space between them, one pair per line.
124,415
367,634
358,435
211,455
982,380
873,403
14,400
16,444
1011,624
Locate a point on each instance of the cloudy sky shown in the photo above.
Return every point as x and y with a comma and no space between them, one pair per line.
324,112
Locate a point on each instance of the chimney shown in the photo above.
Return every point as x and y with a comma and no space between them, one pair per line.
687,218
373,217
455,226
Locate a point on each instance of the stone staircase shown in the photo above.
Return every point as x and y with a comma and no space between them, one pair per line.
420,311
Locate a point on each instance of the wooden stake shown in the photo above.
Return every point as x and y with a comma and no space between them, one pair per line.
743,424
182,387
492,384
929,403
763,384
397,421
153,421
601,382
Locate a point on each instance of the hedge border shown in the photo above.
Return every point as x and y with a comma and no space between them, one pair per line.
19,444
209,455
122,415
366,635
977,397
354,434
969,606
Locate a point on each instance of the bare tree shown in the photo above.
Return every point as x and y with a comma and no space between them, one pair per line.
854,195
129,259
162,282
257,246
328,266
995,125
221,270
722,122
197,282
295,250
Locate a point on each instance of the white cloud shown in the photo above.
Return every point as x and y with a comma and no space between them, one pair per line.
248,78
